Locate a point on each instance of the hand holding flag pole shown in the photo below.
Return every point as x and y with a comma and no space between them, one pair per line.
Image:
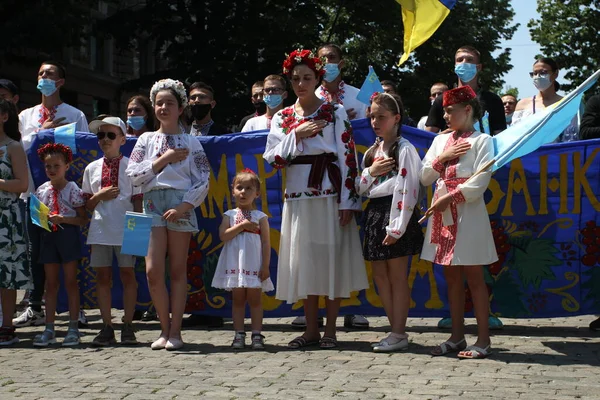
538,129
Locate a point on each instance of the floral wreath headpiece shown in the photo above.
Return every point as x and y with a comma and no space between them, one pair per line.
55,148
306,57
169,84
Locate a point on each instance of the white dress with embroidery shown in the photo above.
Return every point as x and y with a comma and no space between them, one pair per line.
241,257
316,256
473,242
402,184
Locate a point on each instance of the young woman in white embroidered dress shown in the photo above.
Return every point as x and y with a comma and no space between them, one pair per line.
244,261
319,252
173,171
459,235
392,233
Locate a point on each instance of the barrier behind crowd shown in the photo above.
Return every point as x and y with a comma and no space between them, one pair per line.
543,209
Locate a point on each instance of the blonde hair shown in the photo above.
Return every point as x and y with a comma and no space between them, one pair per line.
248,174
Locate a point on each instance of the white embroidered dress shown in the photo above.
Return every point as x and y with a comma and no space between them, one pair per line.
190,175
317,256
401,183
462,234
241,257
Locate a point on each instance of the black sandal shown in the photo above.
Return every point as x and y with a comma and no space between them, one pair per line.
300,342
328,342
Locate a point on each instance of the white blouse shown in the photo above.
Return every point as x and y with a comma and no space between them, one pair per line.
191,174
69,198
402,183
335,138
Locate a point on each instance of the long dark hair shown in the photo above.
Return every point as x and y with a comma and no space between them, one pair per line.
549,61
11,126
147,106
393,104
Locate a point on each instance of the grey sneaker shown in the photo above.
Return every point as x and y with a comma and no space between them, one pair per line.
46,338
239,340
29,317
128,335
258,342
106,337
72,338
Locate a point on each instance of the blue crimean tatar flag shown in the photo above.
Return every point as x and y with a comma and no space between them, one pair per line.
66,135
369,86
136,236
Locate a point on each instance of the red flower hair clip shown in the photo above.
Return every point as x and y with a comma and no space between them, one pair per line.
55,148
373,96
248,171
306,57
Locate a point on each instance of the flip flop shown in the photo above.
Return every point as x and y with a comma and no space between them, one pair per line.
328,342
449,347
476,352
301,342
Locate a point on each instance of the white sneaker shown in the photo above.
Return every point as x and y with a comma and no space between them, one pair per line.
239,340
385,347
29,317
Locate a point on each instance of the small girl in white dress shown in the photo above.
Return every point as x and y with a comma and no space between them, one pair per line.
244,262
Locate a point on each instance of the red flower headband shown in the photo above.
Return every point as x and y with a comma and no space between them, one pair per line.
55,148
306,57
248,171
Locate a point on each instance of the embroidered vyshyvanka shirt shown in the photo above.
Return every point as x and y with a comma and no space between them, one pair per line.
191,174
345,96
462,234
63,201
336,138
402,183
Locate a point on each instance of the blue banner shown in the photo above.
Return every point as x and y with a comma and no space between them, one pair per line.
543,210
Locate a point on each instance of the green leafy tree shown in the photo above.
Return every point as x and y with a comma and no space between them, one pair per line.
567,31
509,90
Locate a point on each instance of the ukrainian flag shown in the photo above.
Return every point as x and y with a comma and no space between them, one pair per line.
39,212
421,18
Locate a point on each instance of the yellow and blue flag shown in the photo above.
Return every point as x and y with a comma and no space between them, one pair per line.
369,86
421,18
38,212
136,236
540,128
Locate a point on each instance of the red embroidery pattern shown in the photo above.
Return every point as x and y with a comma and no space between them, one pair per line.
445,236
46,114
348,140
55,193
110,172
337,97
243,215
290,120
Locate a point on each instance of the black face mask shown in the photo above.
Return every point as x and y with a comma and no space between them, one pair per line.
260,107
199,111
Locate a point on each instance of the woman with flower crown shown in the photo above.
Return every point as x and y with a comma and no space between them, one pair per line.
319,251
173,171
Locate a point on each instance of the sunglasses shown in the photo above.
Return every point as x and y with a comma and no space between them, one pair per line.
109,135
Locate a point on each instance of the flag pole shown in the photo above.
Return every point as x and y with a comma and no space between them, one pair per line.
480,171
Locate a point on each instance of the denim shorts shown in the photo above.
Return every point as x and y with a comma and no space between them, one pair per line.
157,202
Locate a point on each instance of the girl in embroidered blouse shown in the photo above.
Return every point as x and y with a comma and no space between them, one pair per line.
173,172
391,224
459,235
62,245
319,252
244,262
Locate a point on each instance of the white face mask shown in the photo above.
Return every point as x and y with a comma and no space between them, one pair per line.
542,82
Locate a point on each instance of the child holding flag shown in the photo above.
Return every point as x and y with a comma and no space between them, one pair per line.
14,267
60,246
459,236
173,171
110,194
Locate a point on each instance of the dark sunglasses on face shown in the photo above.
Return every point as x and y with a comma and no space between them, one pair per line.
109,135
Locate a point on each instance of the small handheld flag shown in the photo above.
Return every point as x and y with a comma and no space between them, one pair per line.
66,135
38,213
369,86
136,237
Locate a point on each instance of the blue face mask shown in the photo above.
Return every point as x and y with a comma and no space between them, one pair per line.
331,72
272,100
46,86
466,72
136,122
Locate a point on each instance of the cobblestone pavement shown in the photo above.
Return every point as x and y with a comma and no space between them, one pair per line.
533,359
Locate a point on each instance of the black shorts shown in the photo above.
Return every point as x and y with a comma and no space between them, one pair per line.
61,246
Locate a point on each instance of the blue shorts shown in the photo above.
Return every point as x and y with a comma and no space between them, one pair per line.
61,246
157,202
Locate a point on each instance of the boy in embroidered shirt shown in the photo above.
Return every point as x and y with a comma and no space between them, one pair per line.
110,193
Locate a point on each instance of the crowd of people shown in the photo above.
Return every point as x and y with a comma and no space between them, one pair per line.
167,177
